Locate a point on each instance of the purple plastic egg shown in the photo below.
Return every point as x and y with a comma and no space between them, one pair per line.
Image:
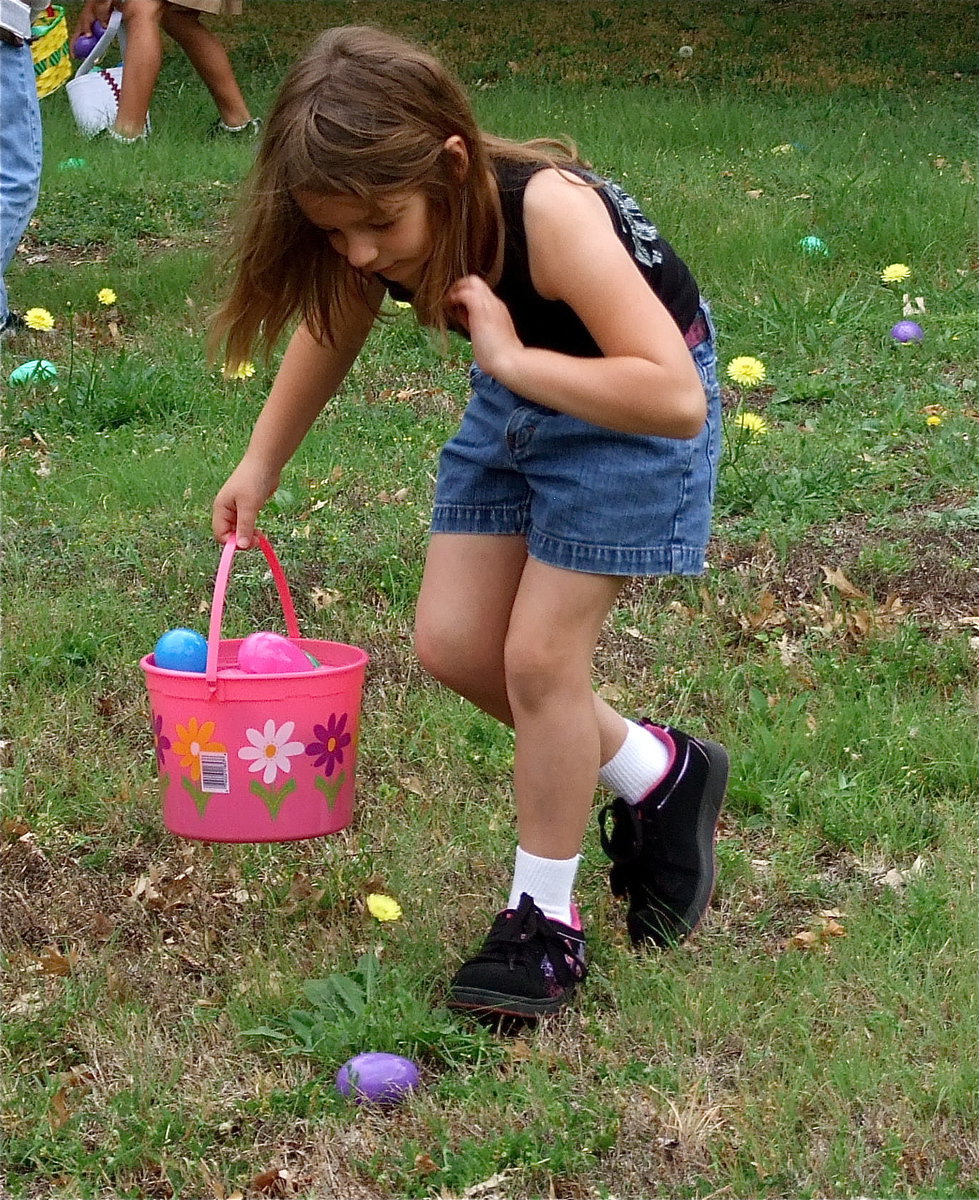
907,331
377,1078
85,43
267,653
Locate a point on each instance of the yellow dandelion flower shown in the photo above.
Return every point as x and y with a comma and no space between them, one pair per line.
746,370
384,908
895,273
243,370
106,296
933,420
752,423
38,318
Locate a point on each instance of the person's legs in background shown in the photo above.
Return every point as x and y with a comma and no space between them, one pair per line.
210,60
144,57
20,155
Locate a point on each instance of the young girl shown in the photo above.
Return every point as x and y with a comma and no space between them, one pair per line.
587,454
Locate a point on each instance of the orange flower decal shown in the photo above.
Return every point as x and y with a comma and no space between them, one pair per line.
192,739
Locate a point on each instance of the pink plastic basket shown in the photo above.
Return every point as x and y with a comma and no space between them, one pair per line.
257,758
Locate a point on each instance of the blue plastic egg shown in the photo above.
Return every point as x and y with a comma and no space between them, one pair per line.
377,1077
181,650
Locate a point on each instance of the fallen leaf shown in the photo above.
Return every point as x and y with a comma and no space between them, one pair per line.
102,927
59,1113
897,879
488,1186
765,615
836,579
271,1182
324,597
805,939
53,962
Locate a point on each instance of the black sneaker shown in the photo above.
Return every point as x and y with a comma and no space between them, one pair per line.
528,966
12,324
662,849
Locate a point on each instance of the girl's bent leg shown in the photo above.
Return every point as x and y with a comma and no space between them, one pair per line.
463,616
463,613
562,733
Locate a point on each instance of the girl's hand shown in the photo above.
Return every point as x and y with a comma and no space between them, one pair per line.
237,504
496,347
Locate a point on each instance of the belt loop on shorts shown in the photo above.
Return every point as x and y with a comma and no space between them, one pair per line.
697,333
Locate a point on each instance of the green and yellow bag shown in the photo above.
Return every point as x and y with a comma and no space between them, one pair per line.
50,50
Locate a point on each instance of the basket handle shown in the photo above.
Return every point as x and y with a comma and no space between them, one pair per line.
114,29
217,605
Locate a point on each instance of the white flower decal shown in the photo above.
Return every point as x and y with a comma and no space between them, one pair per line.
271,749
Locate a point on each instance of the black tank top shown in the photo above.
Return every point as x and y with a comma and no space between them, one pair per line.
552,324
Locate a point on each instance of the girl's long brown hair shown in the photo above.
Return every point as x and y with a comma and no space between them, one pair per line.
362,114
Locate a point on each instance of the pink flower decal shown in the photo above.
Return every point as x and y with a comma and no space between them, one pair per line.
270,749
332,740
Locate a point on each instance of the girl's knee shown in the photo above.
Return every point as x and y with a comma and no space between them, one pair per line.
536,671
450,655
438,651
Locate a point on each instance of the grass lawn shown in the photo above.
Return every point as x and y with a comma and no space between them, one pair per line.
175,1011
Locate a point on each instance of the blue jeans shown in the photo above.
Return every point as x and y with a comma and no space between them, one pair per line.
584,497
20,153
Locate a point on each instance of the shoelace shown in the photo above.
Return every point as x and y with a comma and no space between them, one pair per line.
513,933
628,836
624,842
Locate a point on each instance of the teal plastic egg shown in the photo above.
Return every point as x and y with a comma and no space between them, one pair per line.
38,370
814,246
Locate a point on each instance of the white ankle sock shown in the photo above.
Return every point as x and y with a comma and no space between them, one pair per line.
641,762
549,880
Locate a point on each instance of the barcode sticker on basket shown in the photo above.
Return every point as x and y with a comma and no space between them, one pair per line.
214,772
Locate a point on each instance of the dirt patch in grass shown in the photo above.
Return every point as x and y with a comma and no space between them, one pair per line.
928,559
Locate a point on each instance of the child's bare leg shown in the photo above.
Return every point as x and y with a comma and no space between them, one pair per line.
464,612
144,56
210,60
555,621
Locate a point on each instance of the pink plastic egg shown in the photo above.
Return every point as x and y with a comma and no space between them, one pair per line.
377,1077
267,653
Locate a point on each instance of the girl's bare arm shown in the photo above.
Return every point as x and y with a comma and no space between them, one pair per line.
646,382
308,376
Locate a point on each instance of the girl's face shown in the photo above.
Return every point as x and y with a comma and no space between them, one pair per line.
392,238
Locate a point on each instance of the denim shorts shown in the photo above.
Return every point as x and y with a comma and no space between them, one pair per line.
585,498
